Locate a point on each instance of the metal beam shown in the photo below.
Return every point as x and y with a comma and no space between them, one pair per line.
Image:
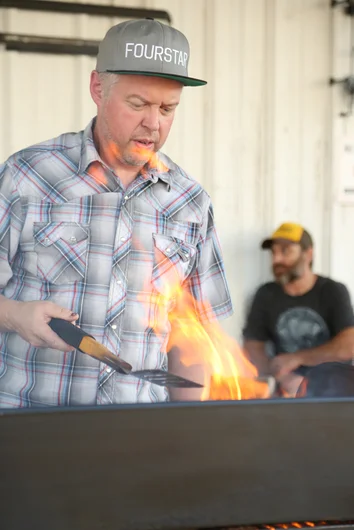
57,46
86,9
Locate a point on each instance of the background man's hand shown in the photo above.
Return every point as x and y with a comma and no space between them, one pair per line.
284,363
289,384
30,321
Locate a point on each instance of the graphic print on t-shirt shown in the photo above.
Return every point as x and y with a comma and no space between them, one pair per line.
300,328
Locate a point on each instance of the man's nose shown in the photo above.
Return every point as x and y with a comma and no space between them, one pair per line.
277,259
152,119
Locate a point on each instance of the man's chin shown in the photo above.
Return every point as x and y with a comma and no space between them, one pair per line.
282,280
136,161
285,279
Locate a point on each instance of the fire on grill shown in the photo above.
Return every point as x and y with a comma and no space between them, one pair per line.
333,525
229,374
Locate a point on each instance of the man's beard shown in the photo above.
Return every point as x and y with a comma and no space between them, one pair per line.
290,273
133,157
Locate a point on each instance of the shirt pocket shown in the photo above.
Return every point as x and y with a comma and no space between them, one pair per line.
173,262
61,250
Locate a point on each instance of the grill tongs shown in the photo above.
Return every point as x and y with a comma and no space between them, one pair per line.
86,343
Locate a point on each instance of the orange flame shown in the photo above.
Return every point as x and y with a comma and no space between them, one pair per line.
229,374
98,173
152,158
289,526
149,160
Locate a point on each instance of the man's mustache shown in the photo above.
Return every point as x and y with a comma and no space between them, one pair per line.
281,267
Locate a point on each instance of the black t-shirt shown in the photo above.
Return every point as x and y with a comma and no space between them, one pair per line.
294,323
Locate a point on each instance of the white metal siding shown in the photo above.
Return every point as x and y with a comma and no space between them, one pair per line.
340,238
258,136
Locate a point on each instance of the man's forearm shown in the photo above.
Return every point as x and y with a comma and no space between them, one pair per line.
340,348
256,353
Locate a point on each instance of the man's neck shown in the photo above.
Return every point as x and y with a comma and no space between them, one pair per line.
126,174
302,285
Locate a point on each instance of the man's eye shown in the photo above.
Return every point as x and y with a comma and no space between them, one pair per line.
167,110
136,106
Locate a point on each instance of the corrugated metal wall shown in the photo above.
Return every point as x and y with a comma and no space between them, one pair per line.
342,211
258,137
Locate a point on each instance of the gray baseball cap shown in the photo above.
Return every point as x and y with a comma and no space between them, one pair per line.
146,47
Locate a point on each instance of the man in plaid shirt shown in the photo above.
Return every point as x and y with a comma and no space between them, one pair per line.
93,227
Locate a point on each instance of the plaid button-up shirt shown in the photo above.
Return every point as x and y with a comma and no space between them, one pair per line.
70,233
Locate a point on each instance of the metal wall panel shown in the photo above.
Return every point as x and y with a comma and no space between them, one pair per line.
258,136
341,212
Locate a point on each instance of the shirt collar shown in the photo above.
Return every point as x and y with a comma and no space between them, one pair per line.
157,168
89,152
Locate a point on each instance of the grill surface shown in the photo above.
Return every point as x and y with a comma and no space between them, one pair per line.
179,466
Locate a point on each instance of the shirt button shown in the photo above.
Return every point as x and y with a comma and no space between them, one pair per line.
109,370
46,240
119,282
123,238
126,197
114,326
73,239
168,250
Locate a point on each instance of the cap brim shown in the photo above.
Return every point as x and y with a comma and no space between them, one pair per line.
186,81
267,243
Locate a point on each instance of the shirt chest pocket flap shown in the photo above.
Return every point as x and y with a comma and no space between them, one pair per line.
61,250
173,261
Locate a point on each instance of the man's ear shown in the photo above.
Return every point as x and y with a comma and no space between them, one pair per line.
96,88
309,253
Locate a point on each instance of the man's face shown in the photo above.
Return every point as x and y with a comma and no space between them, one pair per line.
136,116
289,261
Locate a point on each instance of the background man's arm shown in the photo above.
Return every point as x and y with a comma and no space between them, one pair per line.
255,351
256,332
338,349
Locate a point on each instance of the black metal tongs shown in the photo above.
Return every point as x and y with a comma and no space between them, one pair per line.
86,343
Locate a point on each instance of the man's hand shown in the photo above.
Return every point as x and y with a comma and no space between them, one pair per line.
30,321
289,384
285,363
